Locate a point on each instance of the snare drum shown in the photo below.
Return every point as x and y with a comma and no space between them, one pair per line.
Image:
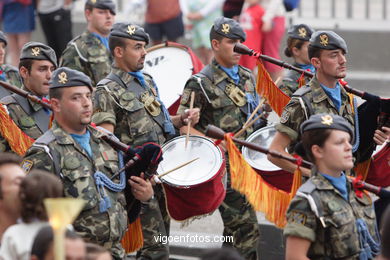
195,189
171,65
269,172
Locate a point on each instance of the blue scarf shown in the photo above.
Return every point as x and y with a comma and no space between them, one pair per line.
334,94
309,67
340,183
104,40
232,73
2,75
140,76
83,141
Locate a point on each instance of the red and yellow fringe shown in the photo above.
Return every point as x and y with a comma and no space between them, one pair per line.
267,89
16,138
301,80
261,195
133,238
361,169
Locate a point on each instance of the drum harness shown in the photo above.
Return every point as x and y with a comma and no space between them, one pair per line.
369,247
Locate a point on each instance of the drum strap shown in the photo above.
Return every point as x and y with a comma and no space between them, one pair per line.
138,90
207,72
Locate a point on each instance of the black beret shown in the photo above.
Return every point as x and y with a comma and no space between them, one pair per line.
3,38
328,40
66,77
229,28
38,51
130,31
102,4
300,31
327,121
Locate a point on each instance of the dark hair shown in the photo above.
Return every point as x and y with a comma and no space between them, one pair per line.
94,250
291,43
224,253
214,35
314,52
27,63
55,93
88,6
115,41
8,158
314,137
37,186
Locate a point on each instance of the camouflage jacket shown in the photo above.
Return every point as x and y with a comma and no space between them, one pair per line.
294,115
76,172
30,117
290,81
339,239
221,110
12,77
86,53
126,109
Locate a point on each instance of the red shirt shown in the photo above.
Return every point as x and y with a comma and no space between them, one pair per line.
159,11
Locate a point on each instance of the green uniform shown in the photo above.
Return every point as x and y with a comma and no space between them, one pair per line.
237,214
137,119
294,114
336,235
11,77
29,116
56,151
290,81
86,53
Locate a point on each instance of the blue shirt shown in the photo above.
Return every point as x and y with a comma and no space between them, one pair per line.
83,141
104,40
232,73
334,94
340,183
138,75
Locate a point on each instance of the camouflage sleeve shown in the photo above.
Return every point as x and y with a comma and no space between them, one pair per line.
4,146
37,158
301,221
288,87
104,107
15,79
291,119
185,101
71,59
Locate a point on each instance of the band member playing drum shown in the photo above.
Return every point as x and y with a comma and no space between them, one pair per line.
225,94
327,219
127,103
323,94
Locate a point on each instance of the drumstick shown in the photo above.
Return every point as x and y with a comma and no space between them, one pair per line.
254,112
277,80
246,126
189,121
176,168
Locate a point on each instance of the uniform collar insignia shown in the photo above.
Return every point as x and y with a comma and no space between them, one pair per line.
225,28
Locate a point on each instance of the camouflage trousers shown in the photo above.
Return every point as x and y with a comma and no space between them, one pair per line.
155,222
239,221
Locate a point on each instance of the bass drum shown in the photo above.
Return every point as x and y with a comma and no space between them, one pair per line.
197,188
269,172
171,65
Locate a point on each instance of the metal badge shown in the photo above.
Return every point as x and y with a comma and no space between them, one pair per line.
302,32
35,51
151,104
324,40
236,95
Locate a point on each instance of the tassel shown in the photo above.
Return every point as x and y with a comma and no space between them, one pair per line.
51,120
260,194
102,205
301,80
133,238
16,138
267,89
361,169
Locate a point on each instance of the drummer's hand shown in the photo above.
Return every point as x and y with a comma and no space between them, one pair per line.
191,114
142,189
382,136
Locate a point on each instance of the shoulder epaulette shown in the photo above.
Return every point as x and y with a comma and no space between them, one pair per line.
7,100
74,44
308,187
46,138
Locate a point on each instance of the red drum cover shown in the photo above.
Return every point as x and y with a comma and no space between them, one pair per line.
379,171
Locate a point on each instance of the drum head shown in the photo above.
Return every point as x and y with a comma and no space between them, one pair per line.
256,159
197,172
170,68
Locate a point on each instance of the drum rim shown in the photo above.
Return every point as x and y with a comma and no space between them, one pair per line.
219,155
245,150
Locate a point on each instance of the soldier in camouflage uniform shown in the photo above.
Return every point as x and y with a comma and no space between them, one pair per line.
127,103
223,92
37,62
89,52
328,219
297,44
323,94
75,152
8,73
